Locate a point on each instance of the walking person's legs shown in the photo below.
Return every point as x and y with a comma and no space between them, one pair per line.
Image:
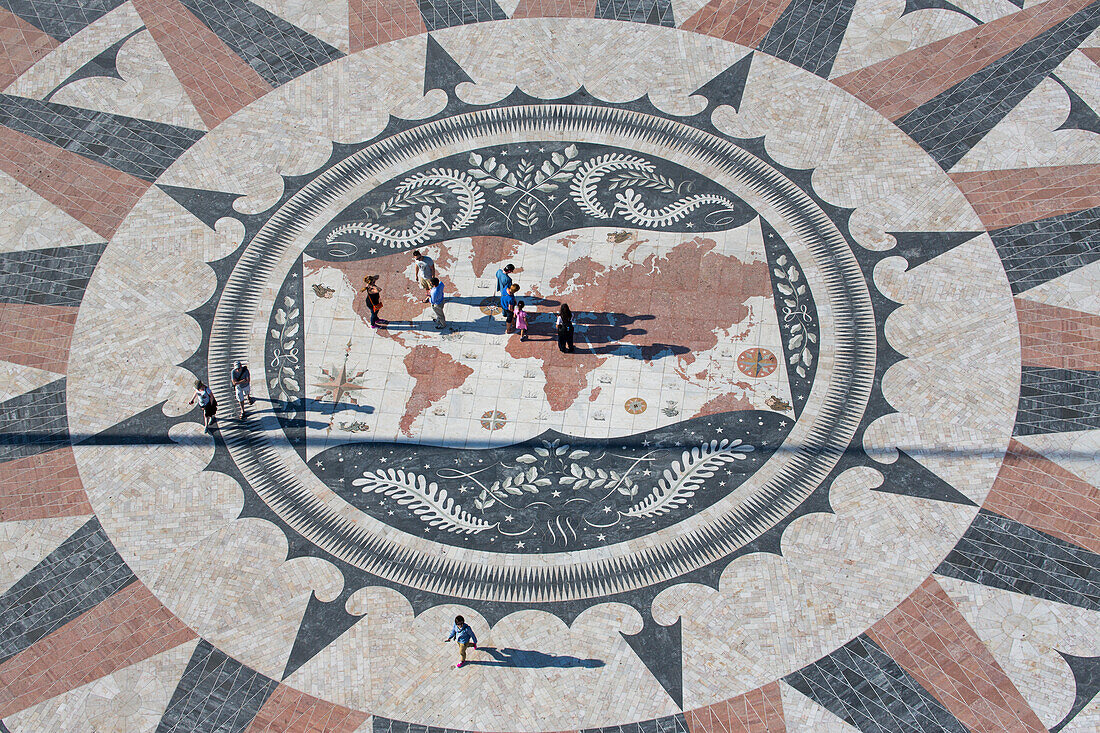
561,342
373,318
440,319
461,654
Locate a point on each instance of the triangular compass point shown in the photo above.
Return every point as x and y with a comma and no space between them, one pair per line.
661,650
728,86
441,71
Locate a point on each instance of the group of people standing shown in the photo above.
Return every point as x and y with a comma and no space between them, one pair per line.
515,313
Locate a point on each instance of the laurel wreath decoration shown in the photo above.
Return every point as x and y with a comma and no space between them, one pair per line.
683,478
426,500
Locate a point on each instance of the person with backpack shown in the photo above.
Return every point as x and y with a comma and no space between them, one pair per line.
464,636
207,402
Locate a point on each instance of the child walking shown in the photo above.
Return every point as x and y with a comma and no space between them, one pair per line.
464,635
521,321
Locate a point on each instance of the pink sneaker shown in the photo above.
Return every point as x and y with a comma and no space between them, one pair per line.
459,665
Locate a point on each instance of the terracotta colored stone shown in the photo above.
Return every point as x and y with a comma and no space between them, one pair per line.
740,21
1060,338
1038,492
128,627
21,45
1092,53
929,637
373,22
1003,198
759,711
488,250
436,373
555,9
94,194
41,486
36,335
217,80
289,711
898,85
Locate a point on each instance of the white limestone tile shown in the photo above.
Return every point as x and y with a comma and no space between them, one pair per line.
1076,290
803,715
684,9
133,315
31,222
956,395
1077,452
1086,721
1029,137
17,379
860,159
1082,75
25,543
132,700
326,19
508,6
773,615
398,666
148,88
59,64
878,31
290,131
1024,635
615,61
367,726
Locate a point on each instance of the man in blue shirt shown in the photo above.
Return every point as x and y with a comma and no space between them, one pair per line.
504,278
464,635
508,305
435,297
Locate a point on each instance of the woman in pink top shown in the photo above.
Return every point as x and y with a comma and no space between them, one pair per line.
521,321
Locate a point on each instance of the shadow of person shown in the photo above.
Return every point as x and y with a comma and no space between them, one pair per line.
531,659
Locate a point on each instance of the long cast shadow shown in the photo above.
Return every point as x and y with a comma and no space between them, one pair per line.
531,659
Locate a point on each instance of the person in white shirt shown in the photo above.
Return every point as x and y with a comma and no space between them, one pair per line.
425,271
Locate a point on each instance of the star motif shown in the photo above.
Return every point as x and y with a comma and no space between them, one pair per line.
646,472
508,518
339,384
373,250
383,459
555,494
721,483
607,510
463,489
647,442
601,537
519,545
320,465
718,430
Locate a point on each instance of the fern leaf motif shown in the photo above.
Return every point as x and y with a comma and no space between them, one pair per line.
470,198
629,203
428,221
583,188
426,500
682,479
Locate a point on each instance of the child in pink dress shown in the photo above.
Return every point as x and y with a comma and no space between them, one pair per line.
521,321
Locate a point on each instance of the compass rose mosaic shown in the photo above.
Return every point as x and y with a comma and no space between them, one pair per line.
794,380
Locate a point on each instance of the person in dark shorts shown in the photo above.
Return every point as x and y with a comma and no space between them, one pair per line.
565,329
374,298
207,402
508,305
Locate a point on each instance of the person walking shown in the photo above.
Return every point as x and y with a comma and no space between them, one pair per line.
508,305
504,278
425,271
565,329
207,402
435,297
464,635
521,321
374,298
242,384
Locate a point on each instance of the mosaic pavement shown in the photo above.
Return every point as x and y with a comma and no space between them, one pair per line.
825,455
